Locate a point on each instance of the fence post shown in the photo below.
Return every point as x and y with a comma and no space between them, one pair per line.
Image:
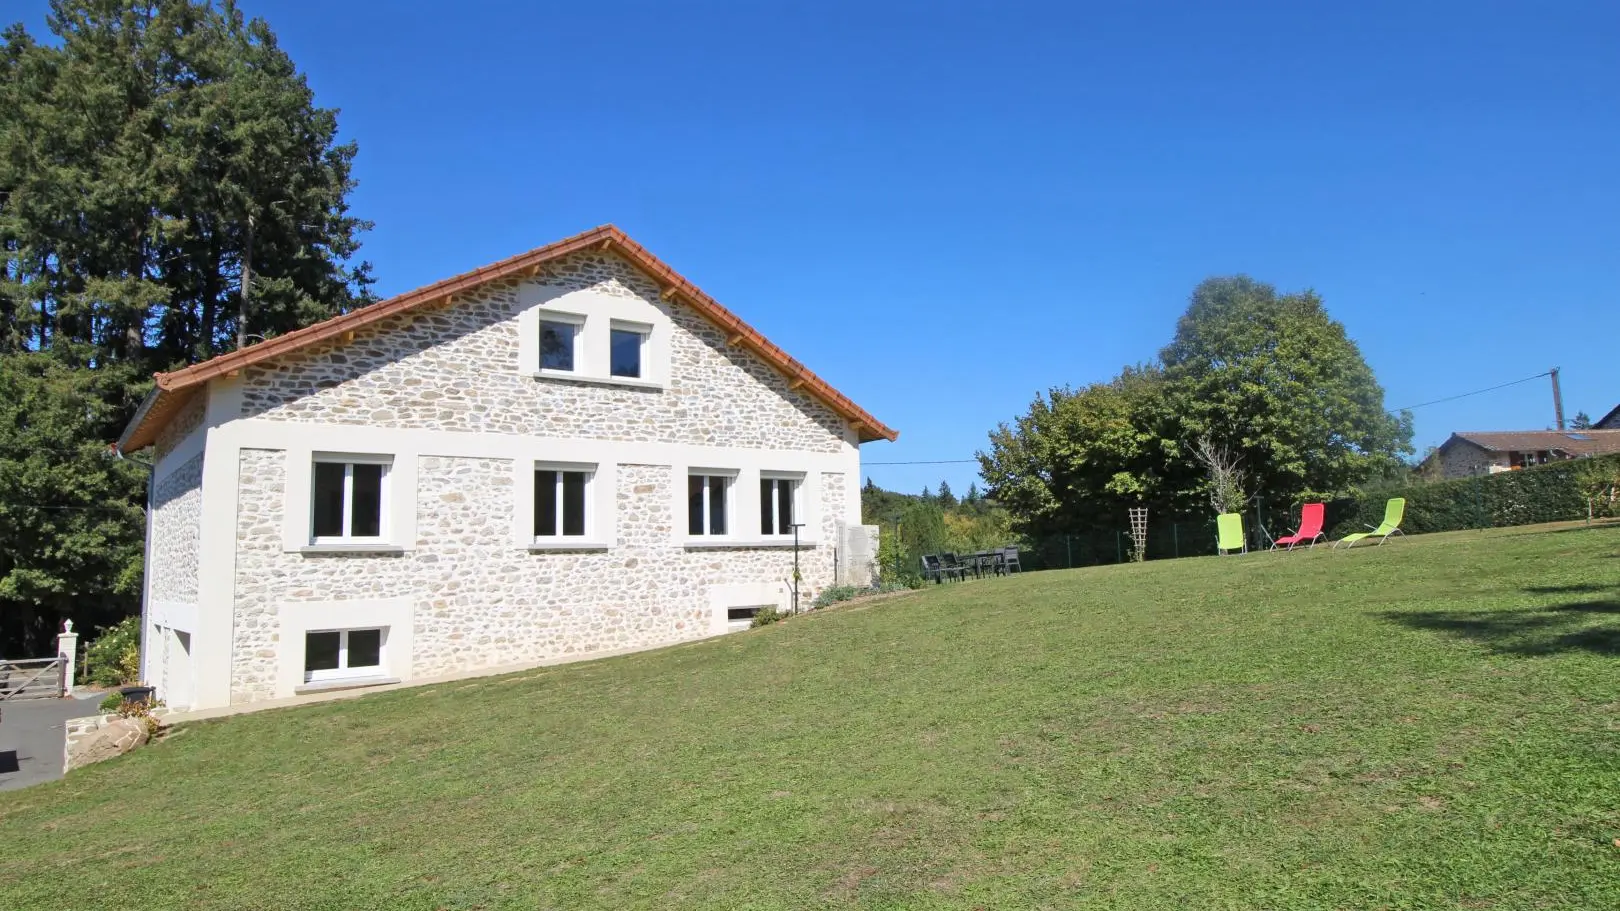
1068,548
1175,539
1119,548
67,648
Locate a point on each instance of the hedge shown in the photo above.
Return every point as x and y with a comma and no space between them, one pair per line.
1547,493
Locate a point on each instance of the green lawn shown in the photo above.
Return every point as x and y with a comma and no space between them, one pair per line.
1430,724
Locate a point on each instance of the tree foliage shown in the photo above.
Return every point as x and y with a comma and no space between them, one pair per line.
1269,381
1277,381
1080,458
148,155
70,514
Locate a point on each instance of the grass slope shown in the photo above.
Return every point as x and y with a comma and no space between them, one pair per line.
1431,724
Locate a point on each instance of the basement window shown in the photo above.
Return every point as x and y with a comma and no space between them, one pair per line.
340,654
740,617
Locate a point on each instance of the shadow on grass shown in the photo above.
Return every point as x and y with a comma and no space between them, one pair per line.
1546,630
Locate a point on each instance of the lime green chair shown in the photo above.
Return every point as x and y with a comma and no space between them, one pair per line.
1229,533
1394,512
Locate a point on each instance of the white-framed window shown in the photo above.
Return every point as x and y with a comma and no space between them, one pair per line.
562,501
708,503
349,498
627,349
561,338
738,618
338,654
779,503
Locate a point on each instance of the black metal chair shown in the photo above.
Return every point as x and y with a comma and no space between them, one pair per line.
940,570
1008,560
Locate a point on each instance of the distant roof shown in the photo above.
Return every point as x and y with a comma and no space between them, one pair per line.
1610,420
1574,442
174,389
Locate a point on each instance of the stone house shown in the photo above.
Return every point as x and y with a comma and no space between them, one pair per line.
1465,455
570,451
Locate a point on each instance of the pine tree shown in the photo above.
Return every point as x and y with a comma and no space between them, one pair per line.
973,494
148,155
946,498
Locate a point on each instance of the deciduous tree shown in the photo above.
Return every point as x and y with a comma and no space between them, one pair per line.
1277,381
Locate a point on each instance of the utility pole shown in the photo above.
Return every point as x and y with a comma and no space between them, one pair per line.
247,280
1558,399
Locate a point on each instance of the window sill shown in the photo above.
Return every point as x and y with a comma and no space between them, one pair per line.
357,548
587,379
566,545
345,683
749,543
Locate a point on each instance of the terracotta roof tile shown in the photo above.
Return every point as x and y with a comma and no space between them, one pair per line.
175,389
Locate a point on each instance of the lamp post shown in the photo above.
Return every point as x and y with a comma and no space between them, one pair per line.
796,526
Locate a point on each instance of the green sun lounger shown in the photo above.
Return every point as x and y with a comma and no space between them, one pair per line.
1394,511
1229,533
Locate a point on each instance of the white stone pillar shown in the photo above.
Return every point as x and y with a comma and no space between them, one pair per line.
67,646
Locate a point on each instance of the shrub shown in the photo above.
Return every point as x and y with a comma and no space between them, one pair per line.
834,594
114,658
141,709
1548,493
111,702
766,616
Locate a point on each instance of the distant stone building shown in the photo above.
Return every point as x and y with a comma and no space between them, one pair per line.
570,451
1465,455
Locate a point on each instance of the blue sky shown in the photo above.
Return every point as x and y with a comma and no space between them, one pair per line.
946,207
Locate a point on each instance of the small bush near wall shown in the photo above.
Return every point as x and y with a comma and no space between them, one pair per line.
1562,491
114,658
836,593
765,616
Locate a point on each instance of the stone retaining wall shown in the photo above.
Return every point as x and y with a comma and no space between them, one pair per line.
80,730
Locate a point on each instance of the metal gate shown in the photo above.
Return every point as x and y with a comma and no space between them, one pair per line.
31,678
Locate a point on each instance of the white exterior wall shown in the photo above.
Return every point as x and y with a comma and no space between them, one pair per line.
452,397
173,553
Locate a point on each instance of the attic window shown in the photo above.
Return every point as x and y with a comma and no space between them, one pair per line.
1577,436
559,342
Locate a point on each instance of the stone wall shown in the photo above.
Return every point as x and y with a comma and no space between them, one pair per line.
457,368
181,425
176,533
79,732
1465,460
482,601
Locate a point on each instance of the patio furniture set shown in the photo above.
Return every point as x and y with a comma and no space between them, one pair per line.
950,567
